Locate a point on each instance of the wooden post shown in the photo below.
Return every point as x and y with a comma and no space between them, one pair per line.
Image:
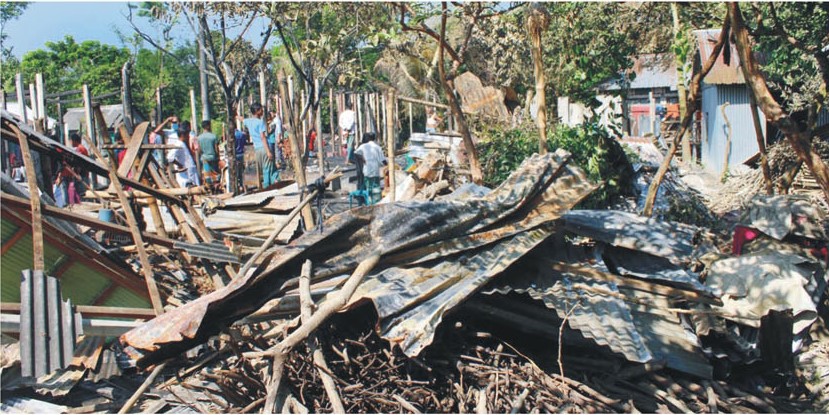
126,96
334,146
652,112
41,100
33,102
411,130
296,156
193,117
159,116
320,146
358,107
21,101
263,96
34,195
87,107
63,137
390,143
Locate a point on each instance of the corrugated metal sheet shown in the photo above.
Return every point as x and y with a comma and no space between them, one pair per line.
49,326
720,74
467,234
665,336
670,240
743,138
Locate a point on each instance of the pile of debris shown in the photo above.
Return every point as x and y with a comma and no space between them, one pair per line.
453,300
786,172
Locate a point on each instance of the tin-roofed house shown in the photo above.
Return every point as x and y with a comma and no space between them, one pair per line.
723,90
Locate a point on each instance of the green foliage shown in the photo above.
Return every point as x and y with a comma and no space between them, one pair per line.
175,75
793,72
69,65
592,147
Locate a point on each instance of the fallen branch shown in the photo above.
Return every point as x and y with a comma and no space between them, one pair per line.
141,389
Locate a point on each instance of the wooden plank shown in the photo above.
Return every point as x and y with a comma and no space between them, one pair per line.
26,332
133,147
422,102
56,358
146,268
17,236
34,195
40,323
81,219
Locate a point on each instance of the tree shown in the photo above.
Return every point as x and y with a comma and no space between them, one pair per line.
8,63
537,22
219,51
71,65
413,19
798,134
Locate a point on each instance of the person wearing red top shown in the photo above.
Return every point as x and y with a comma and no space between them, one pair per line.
80,179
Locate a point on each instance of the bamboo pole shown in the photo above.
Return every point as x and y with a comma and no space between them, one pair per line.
411,129
390,143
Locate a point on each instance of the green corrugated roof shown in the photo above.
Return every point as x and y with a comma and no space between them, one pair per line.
79,282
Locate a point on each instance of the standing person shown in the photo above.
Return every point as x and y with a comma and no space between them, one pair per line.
80,185
348,125
371,156
159,136
240,140
208,147
181,159
258,132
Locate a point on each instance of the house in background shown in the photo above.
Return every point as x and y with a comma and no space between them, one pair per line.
640,108
725,86
650,95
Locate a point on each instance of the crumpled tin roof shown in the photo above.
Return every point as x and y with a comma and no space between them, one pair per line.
515,215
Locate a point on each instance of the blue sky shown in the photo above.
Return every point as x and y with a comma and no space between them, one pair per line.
43,22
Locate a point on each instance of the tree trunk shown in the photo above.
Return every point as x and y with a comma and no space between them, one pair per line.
761,144
455,106
691,103
799,138
537,23
204,90
680,88
296,152
230,146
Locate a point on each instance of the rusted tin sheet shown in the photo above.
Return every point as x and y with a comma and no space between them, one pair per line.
525,200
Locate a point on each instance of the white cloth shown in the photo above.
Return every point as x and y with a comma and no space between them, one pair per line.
180,155
347,120
374,158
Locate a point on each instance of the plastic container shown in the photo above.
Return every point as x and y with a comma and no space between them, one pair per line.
106,215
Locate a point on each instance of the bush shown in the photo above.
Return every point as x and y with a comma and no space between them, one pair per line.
592,147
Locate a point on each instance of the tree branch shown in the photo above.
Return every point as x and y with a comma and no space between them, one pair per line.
427,31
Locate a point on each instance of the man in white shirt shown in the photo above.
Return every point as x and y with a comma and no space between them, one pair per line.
372,158
347,123
181,159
